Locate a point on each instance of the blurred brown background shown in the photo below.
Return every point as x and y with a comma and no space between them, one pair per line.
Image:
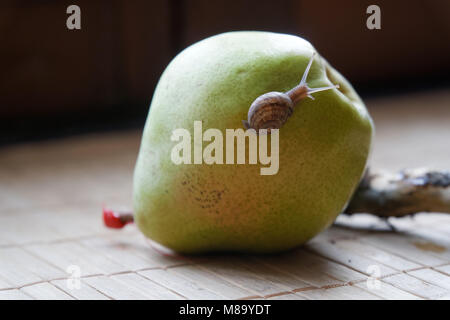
55,81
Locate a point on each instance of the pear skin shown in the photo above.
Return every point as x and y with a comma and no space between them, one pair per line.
323,149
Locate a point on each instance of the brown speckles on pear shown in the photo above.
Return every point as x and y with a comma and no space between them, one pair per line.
203,195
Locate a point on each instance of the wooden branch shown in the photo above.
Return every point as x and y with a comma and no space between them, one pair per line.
406,193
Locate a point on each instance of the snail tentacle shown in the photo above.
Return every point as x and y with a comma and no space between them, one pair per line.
314,90
308,67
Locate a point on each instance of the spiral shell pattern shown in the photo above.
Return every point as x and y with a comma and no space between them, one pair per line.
270,111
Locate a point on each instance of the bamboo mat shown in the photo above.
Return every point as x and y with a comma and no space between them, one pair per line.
53,244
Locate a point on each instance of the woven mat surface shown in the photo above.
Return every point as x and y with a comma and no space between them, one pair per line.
53,244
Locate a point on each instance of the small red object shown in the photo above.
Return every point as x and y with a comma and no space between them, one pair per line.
116,220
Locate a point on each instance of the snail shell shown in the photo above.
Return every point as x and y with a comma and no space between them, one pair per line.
270,111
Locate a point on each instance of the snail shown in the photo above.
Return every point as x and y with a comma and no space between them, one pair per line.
271,110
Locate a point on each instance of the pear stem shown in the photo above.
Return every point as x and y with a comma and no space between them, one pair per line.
406,193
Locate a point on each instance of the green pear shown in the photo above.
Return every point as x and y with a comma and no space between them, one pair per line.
323,149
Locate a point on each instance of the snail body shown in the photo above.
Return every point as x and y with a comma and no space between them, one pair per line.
271,110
